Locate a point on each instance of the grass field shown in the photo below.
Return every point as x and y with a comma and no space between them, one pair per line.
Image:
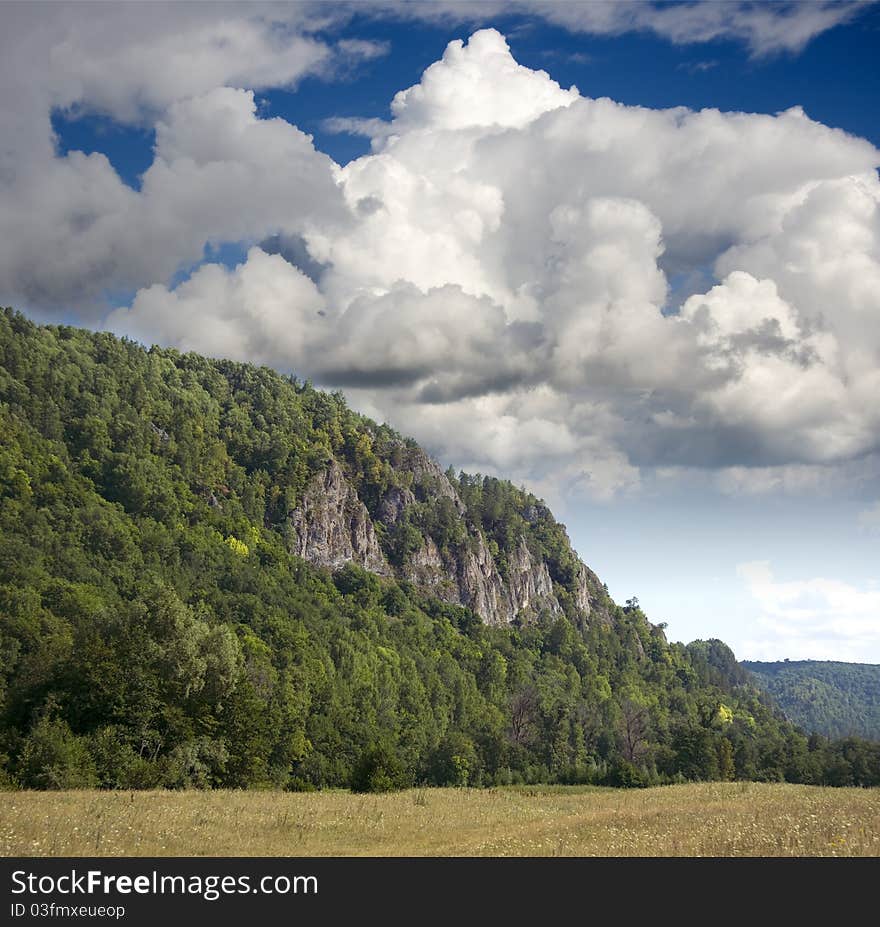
711,819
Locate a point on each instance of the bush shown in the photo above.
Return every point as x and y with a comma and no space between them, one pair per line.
196,764
379,770
624,775
114,759
7,783
454,762
54,758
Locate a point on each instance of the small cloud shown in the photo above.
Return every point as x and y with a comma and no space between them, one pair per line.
362,49
351,55
356,125
697,67
791,479
571,57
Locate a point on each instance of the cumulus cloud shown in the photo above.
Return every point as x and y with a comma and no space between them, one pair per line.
812,618
569,218
478,85
70,228
495,277
264,311
219,174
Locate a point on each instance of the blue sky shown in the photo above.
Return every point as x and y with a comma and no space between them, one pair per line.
665,325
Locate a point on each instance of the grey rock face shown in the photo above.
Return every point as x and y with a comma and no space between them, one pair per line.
589,595
527,591
480,585
393,504
428,476
531,588
426,568
332,526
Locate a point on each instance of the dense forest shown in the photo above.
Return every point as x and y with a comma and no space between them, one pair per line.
834,699
158,628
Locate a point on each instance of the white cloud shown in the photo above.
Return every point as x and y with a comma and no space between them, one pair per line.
69,228
74,229
566,220
477,85
156,59
263,311
813,618
355,125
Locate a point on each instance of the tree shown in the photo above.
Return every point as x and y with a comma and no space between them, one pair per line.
524,717
634,721
726,766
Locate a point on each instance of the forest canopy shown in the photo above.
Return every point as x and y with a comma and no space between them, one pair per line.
156,629
832,698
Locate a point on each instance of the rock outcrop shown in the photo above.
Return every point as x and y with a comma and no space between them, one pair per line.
426,568
589,595
332,527
480,585
429,479
530,585
393,504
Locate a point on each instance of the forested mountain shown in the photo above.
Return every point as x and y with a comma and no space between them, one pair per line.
834,699
213,575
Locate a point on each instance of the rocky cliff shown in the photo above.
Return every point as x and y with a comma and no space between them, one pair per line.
332,526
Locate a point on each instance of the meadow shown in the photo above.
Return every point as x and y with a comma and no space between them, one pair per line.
703,819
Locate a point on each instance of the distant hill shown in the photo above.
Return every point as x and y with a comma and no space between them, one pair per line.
835,699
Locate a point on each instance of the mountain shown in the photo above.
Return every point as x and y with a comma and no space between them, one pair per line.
834,699
215,575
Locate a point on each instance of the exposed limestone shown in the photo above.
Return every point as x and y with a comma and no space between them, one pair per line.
480,585
529,583
430,479
332,527
396,499
425,568
589,595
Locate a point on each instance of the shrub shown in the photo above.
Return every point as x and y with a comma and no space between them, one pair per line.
378,770
54,758
626,776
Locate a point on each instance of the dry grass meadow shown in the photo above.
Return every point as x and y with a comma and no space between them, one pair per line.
713,819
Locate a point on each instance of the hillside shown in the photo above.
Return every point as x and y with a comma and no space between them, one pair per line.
834,699
214,575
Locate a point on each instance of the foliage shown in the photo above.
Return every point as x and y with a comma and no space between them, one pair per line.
833,699
157,631
379,769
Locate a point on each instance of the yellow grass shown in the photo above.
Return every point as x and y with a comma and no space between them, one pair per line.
712,819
